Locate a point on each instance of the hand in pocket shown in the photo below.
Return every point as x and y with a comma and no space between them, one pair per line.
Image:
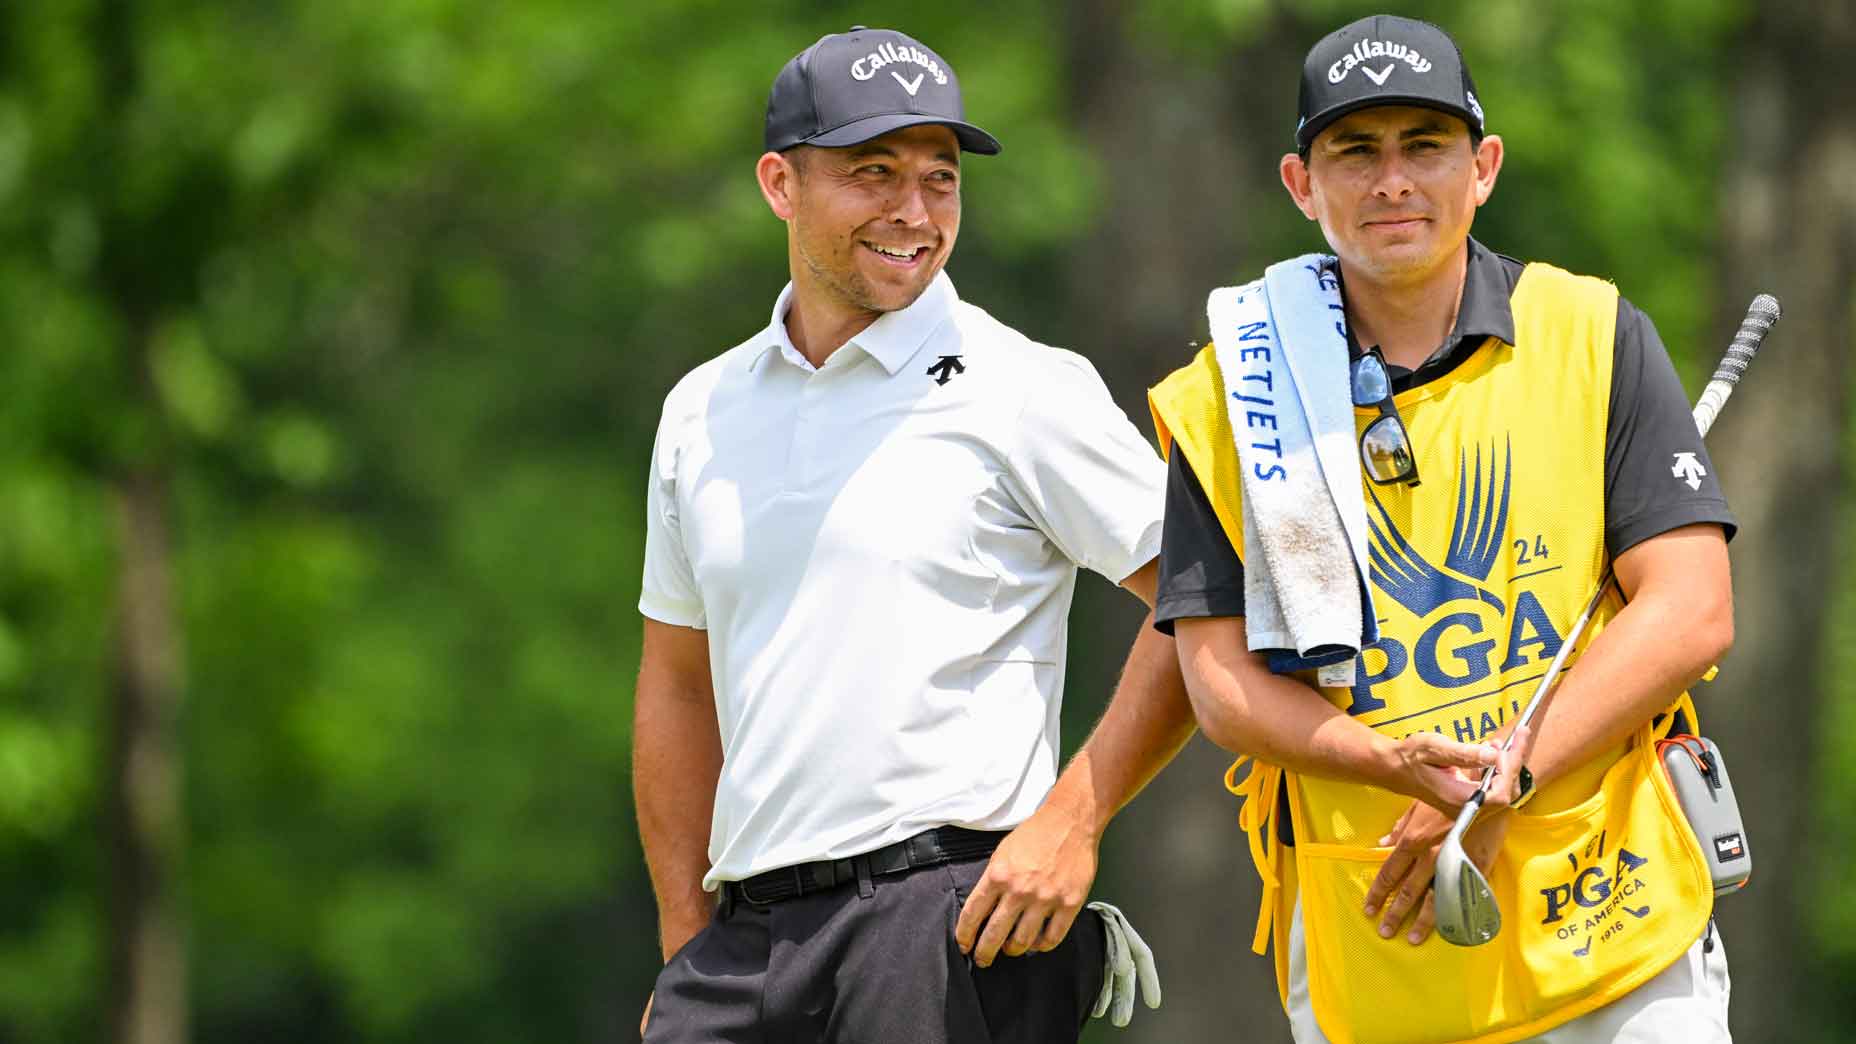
1405,877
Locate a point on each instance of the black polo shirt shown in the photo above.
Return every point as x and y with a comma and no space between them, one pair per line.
1650,422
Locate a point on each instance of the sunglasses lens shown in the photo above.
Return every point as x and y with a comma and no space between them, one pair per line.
1386,451
1370,381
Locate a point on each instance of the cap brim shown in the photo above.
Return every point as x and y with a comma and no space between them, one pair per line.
1305,134
856,132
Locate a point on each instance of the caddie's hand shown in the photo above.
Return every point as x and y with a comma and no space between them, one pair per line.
1441,773
1032,889
1404,880
1403,884
1405,877
646,1021
1127,963
1505,787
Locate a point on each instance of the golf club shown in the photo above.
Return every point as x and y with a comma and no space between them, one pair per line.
1466,910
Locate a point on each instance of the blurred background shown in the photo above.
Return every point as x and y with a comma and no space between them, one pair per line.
334,336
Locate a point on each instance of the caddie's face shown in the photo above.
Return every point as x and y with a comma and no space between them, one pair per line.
872,224
1395,189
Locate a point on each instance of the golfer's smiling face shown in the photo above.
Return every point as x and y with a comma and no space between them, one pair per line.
1394,188
873,223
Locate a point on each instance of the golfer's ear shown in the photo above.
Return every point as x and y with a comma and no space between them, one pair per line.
1295,178
779,183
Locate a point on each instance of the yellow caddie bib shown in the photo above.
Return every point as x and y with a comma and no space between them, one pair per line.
1476,573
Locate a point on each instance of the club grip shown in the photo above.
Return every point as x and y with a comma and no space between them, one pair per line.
1759,319
1760,316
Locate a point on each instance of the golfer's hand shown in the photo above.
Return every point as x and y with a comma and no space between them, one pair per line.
1439,772
1032,889
646,1021
1404,881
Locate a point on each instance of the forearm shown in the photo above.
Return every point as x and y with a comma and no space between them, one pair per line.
1247,709
1148,720
676,761
1677,621
1657,646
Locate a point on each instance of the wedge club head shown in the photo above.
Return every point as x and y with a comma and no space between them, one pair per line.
1467,914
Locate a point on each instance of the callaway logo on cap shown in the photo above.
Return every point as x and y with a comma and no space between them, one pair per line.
1384,60
850,87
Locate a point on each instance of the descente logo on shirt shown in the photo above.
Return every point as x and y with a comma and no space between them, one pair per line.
1366,50
887,53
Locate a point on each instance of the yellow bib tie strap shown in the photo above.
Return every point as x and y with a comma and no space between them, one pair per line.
1260,792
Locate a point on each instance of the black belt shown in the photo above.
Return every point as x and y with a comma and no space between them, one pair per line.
928,848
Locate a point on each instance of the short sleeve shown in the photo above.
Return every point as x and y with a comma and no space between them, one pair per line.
670,594
1657,472
1083,474
1201,574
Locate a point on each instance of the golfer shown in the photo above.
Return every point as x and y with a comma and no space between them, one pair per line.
1520,429
865,523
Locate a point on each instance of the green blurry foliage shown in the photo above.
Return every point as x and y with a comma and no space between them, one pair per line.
377,255
413,277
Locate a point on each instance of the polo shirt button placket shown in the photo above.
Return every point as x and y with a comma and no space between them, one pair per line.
800,466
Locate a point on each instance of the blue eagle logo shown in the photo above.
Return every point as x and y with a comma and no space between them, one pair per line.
1475,541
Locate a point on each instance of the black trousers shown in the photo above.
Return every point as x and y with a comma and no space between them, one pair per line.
837,967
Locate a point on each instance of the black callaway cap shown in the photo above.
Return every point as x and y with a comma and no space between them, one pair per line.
1384,60
850,87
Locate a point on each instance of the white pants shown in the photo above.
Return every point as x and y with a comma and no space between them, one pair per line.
1684,1004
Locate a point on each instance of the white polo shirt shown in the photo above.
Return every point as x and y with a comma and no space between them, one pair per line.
883,551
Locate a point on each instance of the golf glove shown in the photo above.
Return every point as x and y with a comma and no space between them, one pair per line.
1128,961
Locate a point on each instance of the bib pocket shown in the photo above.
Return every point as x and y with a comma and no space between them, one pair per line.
1368,990
1596,899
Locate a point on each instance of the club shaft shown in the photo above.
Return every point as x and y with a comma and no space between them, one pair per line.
1468,813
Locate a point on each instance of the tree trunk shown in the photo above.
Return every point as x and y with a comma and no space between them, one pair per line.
146,992
1187,161
1790,228
1188,158
147,957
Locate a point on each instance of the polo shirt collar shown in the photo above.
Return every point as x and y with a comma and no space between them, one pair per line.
775,336
896,336
892,340
1484,310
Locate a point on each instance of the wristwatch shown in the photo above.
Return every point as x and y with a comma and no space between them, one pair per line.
1525,788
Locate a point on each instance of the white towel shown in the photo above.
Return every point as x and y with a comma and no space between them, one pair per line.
1282,349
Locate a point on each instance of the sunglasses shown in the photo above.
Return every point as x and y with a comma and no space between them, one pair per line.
1385,448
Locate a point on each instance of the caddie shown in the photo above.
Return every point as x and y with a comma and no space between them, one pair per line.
1514,429
864,528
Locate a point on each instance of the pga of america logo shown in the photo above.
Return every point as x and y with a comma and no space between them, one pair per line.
1366,50
1589,905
